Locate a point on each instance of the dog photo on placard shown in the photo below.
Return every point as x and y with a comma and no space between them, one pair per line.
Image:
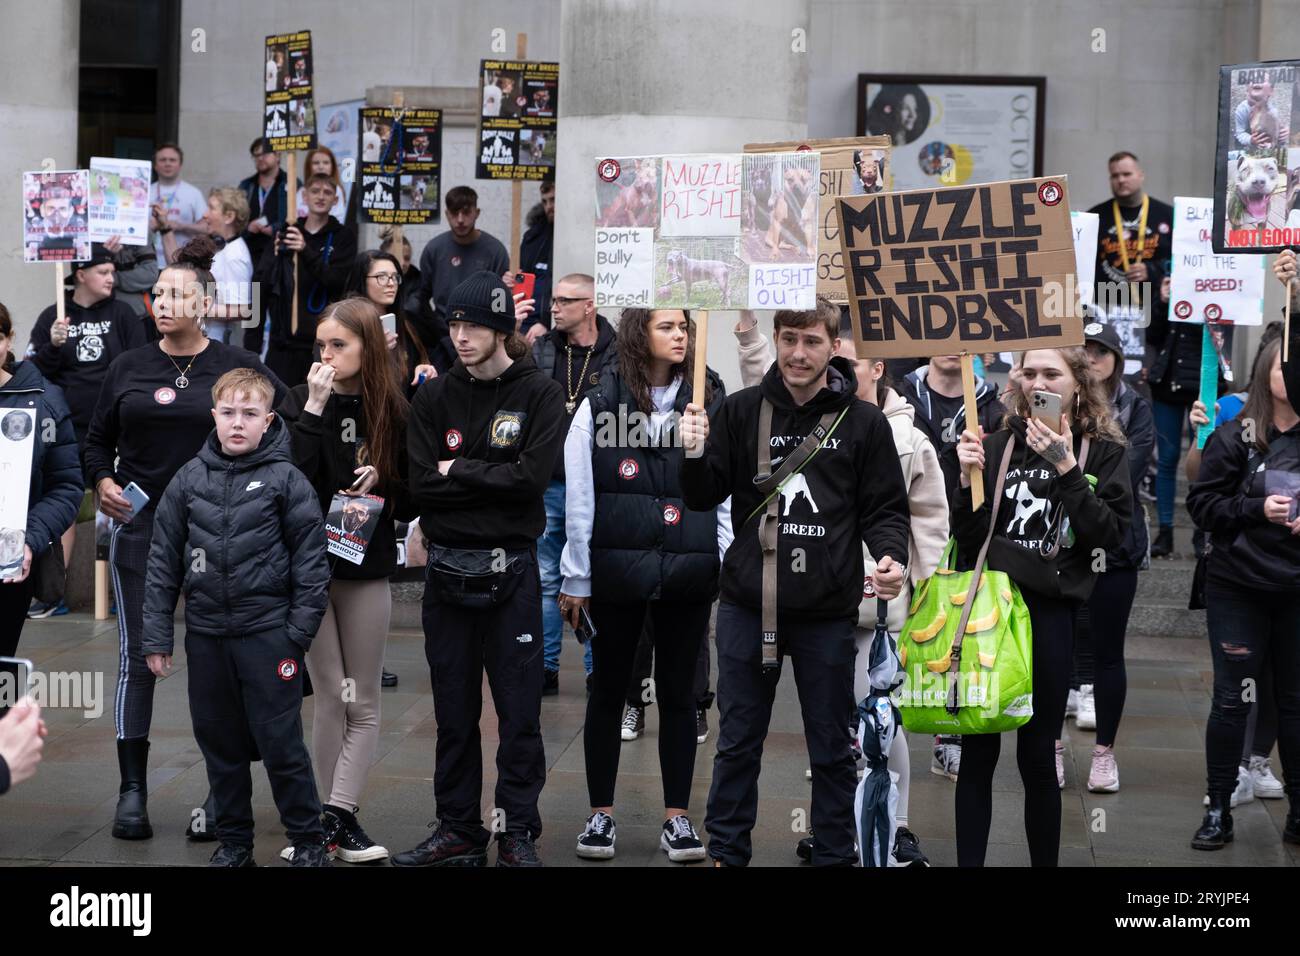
536,147
787,230
419,192
700,274
631,198
1257,190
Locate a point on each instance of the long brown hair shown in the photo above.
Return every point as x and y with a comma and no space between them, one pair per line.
381,394
1259,397
634,359
1092,406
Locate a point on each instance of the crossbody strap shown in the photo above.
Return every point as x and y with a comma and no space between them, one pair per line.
770,484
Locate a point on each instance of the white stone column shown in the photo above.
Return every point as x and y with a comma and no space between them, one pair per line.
39,50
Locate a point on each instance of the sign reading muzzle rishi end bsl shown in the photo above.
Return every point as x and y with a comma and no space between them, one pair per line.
984,268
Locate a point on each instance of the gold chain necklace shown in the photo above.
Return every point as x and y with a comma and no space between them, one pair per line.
573,393
182,378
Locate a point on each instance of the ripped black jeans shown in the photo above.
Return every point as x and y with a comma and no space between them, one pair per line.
1246,628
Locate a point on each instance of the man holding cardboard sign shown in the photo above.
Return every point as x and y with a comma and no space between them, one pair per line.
826,479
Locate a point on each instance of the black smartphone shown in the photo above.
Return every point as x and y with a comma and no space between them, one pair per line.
585,630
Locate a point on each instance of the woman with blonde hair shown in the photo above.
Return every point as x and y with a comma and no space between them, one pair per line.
1067,498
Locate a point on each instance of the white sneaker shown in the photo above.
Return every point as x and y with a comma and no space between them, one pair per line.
1262,781
1244,793
1060,765
1086,717
1072,703
945,760
1103,775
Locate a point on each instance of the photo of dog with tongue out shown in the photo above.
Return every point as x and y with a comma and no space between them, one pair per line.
1257,191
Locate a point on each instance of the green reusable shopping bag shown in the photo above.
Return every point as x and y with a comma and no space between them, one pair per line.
982,681
991,682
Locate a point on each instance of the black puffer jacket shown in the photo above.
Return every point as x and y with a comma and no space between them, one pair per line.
260,539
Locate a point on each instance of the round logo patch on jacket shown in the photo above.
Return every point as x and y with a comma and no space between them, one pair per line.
452,438
672,514
628,469
164,396
287,669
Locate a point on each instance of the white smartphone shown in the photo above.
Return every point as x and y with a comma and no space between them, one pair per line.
135,495
390,322
1046,407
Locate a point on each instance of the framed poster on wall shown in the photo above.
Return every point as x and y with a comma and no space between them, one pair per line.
952,130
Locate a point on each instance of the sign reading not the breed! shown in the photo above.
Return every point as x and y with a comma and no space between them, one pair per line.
682,232
849,167
1207,285
986,268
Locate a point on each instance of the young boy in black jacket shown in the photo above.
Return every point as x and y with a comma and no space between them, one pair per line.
240,533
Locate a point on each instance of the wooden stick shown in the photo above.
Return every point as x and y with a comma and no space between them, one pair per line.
59,303
1286,323
291,193
517,186
701,355
972,425
101,586
395,236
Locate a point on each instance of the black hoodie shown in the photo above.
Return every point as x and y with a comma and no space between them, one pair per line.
97,334
504,436
849,493
255,521
1032,494
931,421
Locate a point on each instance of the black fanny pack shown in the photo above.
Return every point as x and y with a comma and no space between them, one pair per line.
473,578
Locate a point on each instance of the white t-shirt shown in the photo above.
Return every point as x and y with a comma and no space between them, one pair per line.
339,210
232,269
185,205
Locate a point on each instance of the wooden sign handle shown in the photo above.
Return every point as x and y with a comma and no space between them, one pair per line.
517,186
291,215
1286,323
701,355
972,424
61,306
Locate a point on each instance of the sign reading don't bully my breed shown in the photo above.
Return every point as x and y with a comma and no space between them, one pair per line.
988,268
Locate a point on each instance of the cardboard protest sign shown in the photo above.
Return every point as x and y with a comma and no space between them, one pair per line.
1257,162
289,119
401,159
55,225
965,269
119,200
849,167
517,124
17,437
1206,284
677,232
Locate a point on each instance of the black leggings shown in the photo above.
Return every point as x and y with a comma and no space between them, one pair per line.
1100,626
638,694
678,630
1053,627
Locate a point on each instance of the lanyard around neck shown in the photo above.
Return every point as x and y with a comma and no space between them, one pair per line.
1119,229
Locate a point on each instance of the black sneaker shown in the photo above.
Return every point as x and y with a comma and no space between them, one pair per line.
445,847
202,827
907,849
597,840
680,841
701,724
550,683
633,722
230,854
803,849
388,679
310,854
1163,545
347,841
513,850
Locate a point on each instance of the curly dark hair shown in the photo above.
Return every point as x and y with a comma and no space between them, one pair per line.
634,357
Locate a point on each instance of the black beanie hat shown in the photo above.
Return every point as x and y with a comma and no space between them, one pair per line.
98,257
484,300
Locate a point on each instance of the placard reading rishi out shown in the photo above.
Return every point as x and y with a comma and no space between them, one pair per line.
678,232
289,114
400,165
517,124
986,268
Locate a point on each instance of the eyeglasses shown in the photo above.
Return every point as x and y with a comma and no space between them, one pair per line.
385,278
566,300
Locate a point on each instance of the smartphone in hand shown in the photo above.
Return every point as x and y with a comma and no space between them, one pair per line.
135,495
1046,408
525,282
585,630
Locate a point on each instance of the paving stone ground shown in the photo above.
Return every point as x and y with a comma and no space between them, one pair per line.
63,815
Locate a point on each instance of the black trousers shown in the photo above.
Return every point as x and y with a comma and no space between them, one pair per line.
246,698
1053,646
643,663
823,653
459,644
15,599
1099,630
1249,631
679,630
